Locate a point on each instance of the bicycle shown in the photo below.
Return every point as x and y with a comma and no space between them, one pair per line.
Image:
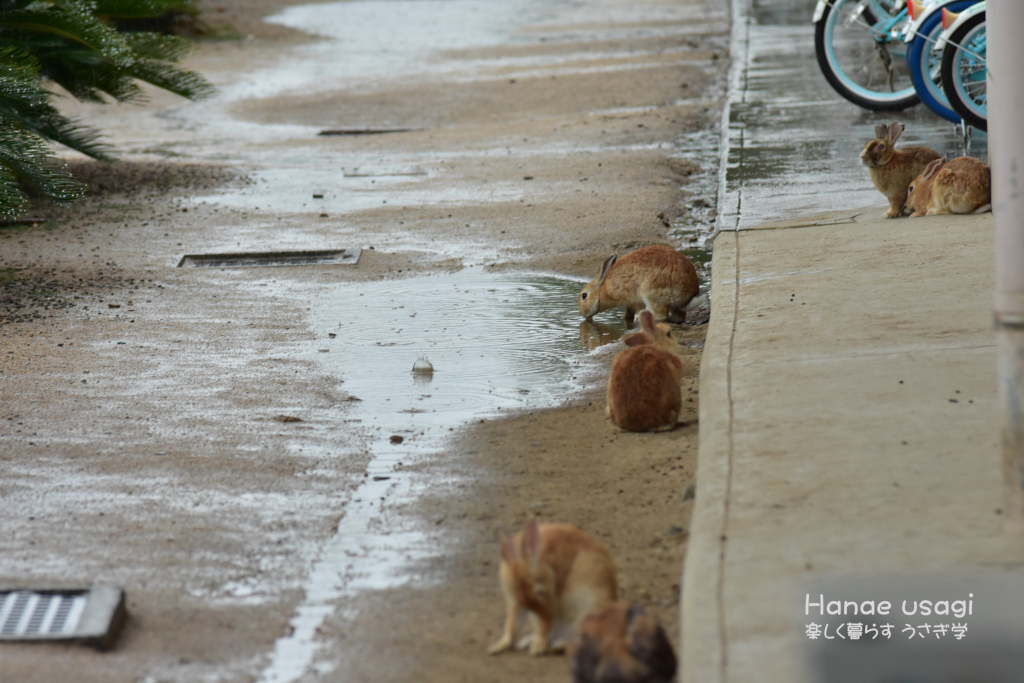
964,69
924,64
858,49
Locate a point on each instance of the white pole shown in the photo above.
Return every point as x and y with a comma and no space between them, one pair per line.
1004,20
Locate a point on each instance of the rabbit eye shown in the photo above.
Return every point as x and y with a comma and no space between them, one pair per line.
583,296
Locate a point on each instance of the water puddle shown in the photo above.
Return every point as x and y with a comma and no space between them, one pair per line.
498,343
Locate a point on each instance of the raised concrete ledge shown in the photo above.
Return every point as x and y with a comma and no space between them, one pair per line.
848,427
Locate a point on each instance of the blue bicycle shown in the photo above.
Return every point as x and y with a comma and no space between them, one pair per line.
964,65
924,63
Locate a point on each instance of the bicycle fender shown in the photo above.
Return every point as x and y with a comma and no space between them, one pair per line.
943,40
927,11
819,11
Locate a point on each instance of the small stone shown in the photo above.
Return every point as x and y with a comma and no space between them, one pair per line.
288,418
690,493
422,365
396,438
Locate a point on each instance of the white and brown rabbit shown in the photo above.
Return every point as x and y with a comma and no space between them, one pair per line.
962,185
643,389
620,643
891,169
556,574
658,278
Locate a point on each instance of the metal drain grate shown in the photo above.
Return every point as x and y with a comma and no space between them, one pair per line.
334,257
91,615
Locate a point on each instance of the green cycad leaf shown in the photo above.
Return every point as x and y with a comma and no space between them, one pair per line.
89,82
31,163
171,78
79,28
140,9
158,46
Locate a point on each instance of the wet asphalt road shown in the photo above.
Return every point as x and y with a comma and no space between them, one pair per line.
793,142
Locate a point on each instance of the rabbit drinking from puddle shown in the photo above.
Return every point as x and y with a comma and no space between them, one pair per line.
657,278
962,185
620,643
891,169
556,574
643,389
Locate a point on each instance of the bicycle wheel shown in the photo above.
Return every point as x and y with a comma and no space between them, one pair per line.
964,70
925,66
862,60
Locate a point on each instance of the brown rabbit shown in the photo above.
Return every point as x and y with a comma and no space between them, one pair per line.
557,574
620,643
643,389
919,194
961,185
891,169
658,278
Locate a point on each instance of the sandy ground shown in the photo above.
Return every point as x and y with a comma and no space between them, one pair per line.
140,439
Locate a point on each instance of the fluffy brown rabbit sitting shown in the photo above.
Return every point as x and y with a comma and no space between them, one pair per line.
643,389
961,186
620,643
657,278
891,169
556,574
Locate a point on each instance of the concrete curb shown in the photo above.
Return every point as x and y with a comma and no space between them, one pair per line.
702,629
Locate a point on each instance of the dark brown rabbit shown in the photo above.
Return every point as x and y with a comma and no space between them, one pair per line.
892,170
620,643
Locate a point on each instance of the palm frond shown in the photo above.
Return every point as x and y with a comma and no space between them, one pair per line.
169,77
25,159
141,9
83,29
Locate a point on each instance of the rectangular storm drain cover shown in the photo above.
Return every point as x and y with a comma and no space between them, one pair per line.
330,257
93,616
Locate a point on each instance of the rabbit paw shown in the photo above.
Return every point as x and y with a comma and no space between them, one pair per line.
505,643
538,647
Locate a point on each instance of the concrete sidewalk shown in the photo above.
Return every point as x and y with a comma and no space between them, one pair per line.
848,423
848,426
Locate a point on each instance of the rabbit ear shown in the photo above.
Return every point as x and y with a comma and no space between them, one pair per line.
636,340
895,131
531,542
932,168
605,267
647,321
881,130
509,552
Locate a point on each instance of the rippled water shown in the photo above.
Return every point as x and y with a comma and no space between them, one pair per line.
496,341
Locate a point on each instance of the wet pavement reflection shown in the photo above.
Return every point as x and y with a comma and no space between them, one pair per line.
794,144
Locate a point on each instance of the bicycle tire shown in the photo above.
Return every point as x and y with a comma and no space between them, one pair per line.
860,94
967,106
919,58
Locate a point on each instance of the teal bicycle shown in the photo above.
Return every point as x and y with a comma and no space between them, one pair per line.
861,53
